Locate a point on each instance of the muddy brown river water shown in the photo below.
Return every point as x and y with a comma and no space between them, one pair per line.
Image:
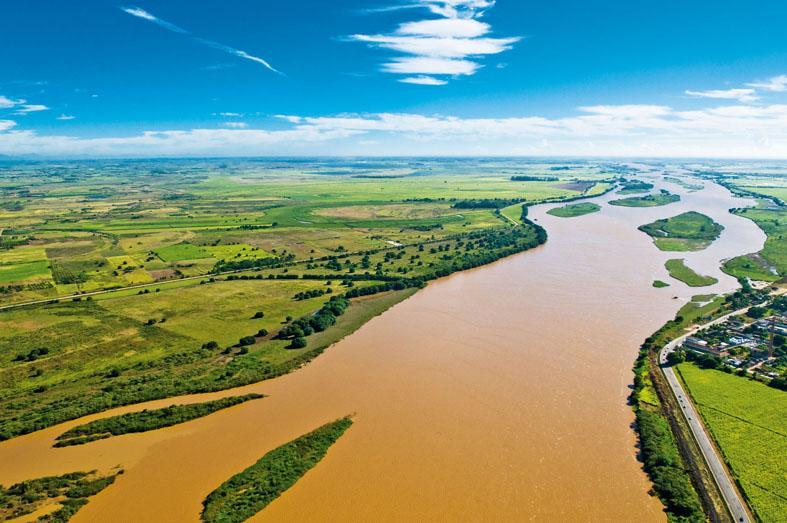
498,394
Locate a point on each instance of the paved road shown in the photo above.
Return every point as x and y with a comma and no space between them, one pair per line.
729,492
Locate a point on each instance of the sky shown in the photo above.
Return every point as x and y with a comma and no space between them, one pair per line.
146,78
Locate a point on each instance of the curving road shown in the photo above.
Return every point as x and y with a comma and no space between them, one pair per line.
729,492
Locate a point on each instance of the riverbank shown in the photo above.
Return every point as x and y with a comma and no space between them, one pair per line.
468,396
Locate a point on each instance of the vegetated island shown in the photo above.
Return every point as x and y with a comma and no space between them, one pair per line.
576,209
650,200
660,284
146,420
677,269
635,186
250,491
58,497
690,231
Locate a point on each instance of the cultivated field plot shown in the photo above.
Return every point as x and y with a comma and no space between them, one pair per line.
748,420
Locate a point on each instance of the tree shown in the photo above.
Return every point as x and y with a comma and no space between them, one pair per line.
298,343
247,340
258,315
675,357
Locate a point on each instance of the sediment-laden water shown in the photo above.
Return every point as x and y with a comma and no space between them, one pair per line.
495,394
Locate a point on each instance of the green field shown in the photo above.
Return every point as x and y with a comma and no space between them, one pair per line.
575,209
677,269
650,200
690,231
748,420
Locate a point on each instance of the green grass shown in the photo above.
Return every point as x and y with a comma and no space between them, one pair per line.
182,251
146,420
248,492
677,269
576,209
651,200
690,231
770,264
748,420
660,284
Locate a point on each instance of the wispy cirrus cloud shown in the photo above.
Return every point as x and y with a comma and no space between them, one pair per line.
435,49
65,117
6,125
741,95
30,108
7,103
138,12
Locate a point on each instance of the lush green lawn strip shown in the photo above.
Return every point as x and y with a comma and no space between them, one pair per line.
576,209
651,200
690,231
677,269
250,491
146,420
748,421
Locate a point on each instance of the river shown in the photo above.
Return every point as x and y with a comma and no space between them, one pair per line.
494,394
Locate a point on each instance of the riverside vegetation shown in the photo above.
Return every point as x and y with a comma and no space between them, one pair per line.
674,466
58,497
146,420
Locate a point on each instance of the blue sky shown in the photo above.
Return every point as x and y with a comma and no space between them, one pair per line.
238,77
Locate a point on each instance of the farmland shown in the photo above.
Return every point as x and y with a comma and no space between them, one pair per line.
746,418
249,268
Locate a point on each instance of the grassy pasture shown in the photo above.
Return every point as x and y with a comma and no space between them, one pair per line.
690,231
748,421
677,269
770,264
576,209
650,200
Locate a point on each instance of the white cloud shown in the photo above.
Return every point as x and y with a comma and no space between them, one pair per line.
602,130
6,125
141,13
65,117
445,28
7,103
231,115
423,80
236,125
777,84
31,108
741,95
145,15
448,46
430,66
